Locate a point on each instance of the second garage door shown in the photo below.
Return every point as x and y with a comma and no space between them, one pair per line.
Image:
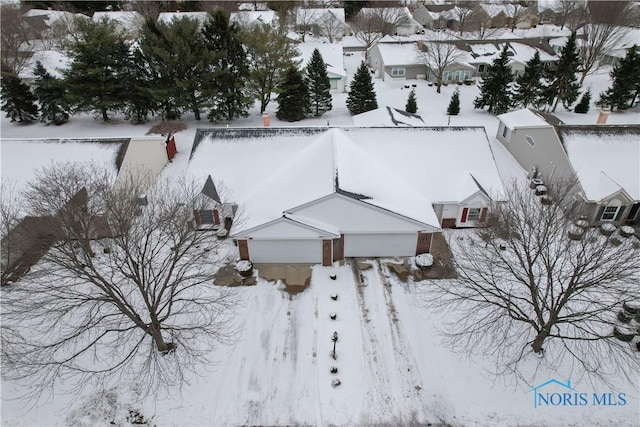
285,251
379,245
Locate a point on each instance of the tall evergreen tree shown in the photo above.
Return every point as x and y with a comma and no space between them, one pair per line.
229,68
528,89
179,60
139,99
495,91
51,97
270,54
412,104
625,87
454,106
362,96
95,79
563,84
293,97
319,85
17,100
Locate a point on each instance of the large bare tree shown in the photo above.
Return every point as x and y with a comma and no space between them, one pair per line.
526,291
438,55
603,32
371,24
572,13
17,47
127,292
517,11
11,213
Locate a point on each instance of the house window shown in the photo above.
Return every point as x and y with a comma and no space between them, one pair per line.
397,72
474,214
530,141
446,76
505,132
206,216
482,68
609,213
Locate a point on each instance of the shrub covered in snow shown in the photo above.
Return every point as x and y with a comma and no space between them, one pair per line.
607,229
424,260
575,233
222,233
626,231
582,223
535,182
541,190
546,200
245,268
336,382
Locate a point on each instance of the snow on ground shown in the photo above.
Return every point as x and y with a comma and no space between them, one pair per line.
391,363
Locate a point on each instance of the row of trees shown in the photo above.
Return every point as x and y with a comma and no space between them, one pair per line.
174,68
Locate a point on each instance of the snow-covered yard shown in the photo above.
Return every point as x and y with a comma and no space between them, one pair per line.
391,364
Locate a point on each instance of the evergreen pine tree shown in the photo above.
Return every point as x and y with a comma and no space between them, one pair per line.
230,71
95,81
528,87
51,96
138,99
319,86
583,105
495,89
412,105
625,87
362,96
563,84
17,100
454,105
293,97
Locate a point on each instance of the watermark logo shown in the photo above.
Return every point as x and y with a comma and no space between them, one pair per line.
554,393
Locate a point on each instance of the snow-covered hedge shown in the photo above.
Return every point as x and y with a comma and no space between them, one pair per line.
575,233
424,260
541,190
582,223
626,231
222,233
245,268
535,182
607,229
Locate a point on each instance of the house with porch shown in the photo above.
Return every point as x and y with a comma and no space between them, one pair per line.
602,160
318,195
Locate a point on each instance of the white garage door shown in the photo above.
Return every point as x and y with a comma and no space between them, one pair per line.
286,251
380,245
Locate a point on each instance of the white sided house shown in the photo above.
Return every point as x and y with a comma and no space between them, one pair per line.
333,57
318,195
603,161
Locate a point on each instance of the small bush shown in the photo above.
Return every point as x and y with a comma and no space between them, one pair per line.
412,105
583,105
454,105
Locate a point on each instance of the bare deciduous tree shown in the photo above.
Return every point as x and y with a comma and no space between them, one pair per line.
523,286
11,213
438,55
463,14
16,44
127,292
517,11
572,13
602,33
370,25
331,27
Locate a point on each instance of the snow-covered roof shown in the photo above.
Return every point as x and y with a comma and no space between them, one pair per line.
494,10
53,61
524,118
271,170
605,158
332,55
386,117
399,54
22,158
128,20
518,52
253,6
168,17
50,16
402,12
249,18
312,15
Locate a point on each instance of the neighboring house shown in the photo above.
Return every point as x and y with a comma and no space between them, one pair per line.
483,54
401,16
249,19
432,20
351,192
397,61
128,22
602,160
333,57
23,158
628,38
41,21
253,6
387,117
53,61
495,15
168,17
322,22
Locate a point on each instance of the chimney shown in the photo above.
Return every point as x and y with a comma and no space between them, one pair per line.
604,115
266,122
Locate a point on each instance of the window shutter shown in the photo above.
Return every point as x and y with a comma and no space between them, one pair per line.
483,214
465,212
196,216
621,210
216,217
600,212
